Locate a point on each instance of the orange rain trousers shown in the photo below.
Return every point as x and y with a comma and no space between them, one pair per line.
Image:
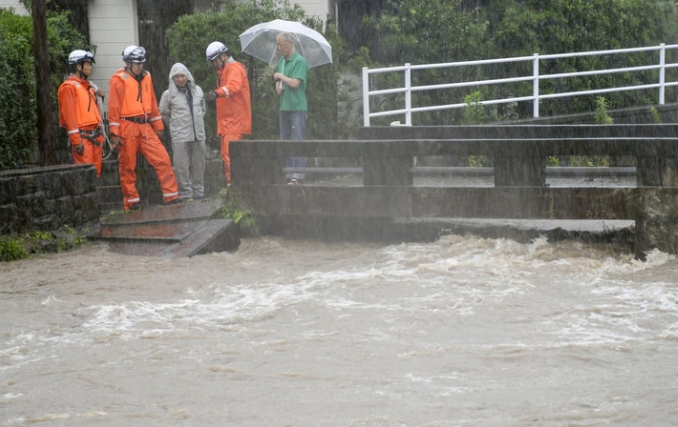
225,155
143,139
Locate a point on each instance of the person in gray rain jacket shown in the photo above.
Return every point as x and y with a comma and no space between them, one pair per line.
182,107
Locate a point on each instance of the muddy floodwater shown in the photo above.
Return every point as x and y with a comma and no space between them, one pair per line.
461,332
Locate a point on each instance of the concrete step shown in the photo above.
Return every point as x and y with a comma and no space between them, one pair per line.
182,230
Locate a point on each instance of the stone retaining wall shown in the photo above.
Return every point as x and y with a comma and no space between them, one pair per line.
46,198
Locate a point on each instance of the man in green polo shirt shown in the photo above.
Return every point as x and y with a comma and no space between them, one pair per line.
290,85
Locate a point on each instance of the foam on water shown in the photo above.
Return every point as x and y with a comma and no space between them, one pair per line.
456,276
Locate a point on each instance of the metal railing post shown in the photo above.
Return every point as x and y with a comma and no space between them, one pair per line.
366,97
535,85
408,95
662,72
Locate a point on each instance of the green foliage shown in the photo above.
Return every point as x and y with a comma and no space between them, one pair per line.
426,32
559,26
242,217
39,241
654,115
552,161
17,80
474,113
601,117
442,31
17,91
12,249
584,161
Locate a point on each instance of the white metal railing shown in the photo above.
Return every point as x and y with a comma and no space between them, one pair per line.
535,77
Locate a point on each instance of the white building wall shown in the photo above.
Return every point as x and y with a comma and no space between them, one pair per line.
18,7
315,8
112,27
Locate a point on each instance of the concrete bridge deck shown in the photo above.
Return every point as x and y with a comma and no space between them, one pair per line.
389,191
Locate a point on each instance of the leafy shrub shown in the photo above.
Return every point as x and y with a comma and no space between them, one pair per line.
12,249
602,117
18,132
17,91
39,241
436,31
242,217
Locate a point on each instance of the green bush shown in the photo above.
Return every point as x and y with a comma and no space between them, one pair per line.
443,31
18,130
38,242
17,91
12,249
241,216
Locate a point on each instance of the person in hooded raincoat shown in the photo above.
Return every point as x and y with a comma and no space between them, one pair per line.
234,106
182,107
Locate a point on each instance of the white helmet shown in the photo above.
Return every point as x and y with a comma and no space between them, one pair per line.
79,55
135,54
214,50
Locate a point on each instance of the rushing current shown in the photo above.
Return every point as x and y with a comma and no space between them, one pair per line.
464,331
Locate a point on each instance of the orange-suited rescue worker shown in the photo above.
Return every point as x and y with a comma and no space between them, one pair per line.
136,125
79,112
234,107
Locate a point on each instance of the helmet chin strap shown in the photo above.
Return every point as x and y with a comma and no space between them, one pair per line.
80,73
135,75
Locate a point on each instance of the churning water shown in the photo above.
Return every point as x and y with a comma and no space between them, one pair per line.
461,332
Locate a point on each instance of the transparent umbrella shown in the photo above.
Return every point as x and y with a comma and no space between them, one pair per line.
259,42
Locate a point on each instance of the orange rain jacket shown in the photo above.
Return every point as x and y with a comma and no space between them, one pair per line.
79,111
134,116
234,108
130,97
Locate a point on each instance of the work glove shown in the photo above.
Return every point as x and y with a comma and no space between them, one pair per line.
79,148
115,142
211,95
